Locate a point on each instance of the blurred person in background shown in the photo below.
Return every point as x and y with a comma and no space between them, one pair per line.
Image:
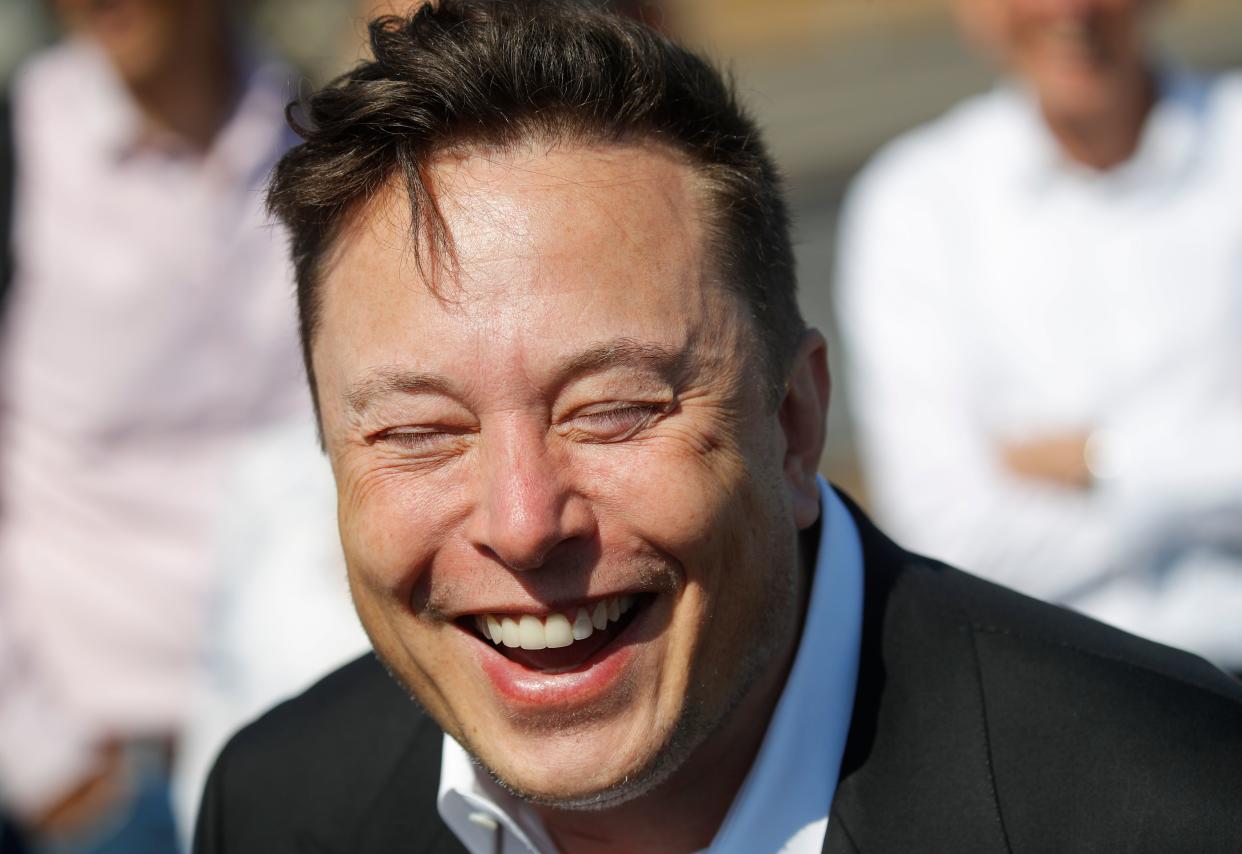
9,842
148,330
1042,296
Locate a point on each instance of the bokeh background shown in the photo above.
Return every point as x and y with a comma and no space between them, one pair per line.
829,80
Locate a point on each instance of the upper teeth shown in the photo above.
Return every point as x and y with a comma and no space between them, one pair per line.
554,630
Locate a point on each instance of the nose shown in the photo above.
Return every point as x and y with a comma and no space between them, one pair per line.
526,506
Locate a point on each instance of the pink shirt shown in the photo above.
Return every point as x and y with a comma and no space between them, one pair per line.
150,328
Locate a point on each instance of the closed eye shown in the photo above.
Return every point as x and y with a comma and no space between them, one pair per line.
614,423
422,439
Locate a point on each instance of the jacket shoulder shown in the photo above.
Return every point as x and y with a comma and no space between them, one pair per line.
985,720
1098,740
1066,635
310,772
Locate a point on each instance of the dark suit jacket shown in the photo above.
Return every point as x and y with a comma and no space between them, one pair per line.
984,722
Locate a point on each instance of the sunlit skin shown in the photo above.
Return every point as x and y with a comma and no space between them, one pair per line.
1085,61
573,409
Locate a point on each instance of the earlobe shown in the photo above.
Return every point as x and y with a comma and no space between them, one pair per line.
803,414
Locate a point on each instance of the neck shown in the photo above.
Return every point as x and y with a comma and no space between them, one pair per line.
192,96
1109,136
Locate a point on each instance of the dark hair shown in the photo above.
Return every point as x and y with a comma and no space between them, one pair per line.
502,72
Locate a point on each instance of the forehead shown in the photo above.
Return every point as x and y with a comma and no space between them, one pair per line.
552,247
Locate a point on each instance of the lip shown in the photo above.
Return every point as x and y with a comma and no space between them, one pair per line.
526,690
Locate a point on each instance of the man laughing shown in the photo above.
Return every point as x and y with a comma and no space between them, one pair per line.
575,418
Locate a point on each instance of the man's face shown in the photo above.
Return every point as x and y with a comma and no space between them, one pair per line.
1076,54
570,441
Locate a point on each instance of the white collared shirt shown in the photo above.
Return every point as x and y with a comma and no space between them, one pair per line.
784,802
990,291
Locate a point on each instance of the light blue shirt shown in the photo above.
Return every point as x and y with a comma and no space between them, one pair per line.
784,802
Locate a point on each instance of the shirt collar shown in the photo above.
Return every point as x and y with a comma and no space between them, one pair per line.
1172,136
783,803
475,808
789,789
245,147
111,120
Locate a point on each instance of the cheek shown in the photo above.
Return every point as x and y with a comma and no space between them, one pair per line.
708,513
664,491
690,487
391,530
392,522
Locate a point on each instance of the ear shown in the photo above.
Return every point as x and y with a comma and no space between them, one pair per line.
803,414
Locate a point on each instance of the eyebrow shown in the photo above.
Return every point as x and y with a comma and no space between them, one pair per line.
383,381
619,352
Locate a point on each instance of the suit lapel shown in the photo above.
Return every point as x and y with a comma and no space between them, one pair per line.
916,774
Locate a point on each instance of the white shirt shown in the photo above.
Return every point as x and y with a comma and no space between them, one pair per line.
150,326
991,291
784,802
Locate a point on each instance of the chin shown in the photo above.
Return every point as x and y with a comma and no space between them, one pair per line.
1078,89
599,779
1073,94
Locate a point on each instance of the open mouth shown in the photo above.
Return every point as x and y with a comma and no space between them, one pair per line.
561,640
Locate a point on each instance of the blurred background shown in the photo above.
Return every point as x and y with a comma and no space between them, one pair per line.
831,82
828,80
